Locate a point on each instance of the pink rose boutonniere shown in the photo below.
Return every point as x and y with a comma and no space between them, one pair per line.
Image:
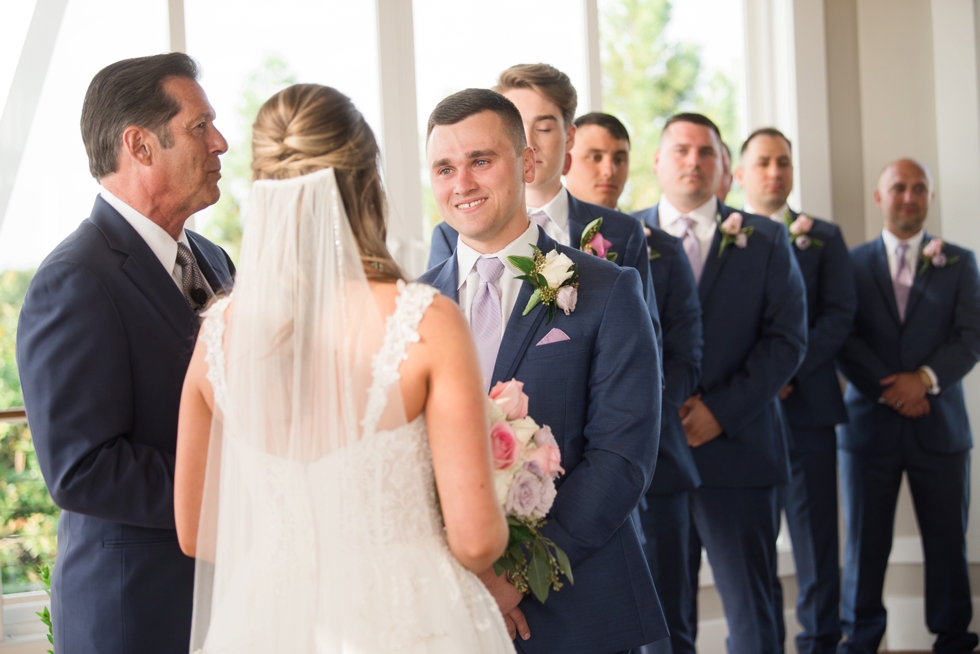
526,462
595,243
933,253
651,253
799,231
732,232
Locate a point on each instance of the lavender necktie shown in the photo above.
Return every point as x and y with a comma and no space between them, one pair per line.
902,282
196,289
692,247
541,218
485,314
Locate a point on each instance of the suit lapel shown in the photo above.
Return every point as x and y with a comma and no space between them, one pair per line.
447,281
576,221
713,265
520,328
881,274
919,282
144,269
654,216
210,266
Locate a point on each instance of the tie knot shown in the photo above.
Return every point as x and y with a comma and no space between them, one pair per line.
902,249
541,218
490,269
184,255
688,222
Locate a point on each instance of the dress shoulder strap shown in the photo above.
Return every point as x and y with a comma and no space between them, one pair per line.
401,330
213,334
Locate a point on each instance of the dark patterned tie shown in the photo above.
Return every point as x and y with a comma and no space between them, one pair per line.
196,288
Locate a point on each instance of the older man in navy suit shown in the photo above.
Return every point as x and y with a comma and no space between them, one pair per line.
104,339
916,335
592,374
547,100
812,401
754,326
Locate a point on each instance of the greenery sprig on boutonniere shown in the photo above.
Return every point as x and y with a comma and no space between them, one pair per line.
933,253
651,253
595,243
732,232
554,278
799,231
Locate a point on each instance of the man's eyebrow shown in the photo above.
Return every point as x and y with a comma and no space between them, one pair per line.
538,119
476,154
440,163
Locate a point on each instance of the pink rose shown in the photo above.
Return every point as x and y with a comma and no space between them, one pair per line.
933,247
600,245
511,398
547,457
939,261
802,241
506,447
741,241
802,225
732,224
567,299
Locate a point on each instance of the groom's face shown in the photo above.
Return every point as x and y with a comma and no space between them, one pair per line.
478,178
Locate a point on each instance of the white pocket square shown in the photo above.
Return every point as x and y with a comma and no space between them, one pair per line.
554,336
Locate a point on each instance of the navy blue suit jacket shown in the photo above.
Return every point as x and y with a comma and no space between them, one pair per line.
623,231
816,400
680,319
941,330
754,326
601,397
103,343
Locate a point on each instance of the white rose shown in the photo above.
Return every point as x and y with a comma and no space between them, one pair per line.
501,482
496,413
557,268
524,429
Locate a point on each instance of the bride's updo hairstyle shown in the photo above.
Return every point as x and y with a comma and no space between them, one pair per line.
309,127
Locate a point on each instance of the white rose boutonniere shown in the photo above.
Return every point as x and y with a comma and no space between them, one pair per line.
555,280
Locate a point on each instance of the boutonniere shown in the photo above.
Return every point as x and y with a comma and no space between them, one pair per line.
594,243
932,253
799,231
651,253
554,278
732,232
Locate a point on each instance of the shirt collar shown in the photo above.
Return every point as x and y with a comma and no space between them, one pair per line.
706,214
892,242
557,208
779,216
466,256
160,242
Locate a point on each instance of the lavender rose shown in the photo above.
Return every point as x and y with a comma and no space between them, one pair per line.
524,495
741,241
567,299
939,261
802,242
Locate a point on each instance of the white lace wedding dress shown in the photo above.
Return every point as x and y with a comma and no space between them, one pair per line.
354,572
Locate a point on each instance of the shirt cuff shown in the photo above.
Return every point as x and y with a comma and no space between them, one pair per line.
934,390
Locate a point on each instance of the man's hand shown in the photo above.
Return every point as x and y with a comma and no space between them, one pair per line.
916,409
507,599
787,389
903,391
699,423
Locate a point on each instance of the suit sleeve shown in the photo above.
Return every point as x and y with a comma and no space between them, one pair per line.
440,249
637,256
683,343
622,430
836,305
956,357
777,352
76,379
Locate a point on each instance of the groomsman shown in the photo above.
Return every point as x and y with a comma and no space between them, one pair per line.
754,326
600,160
812,401
586,372
916,335
547,100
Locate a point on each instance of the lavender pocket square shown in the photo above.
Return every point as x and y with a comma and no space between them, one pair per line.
554,336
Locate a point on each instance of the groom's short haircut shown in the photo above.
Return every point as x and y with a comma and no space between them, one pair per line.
469,102
697,119
130,92
546,80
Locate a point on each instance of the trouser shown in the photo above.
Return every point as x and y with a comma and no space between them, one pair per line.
810,504
940,487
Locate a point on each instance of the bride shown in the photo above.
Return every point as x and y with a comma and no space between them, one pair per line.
333,472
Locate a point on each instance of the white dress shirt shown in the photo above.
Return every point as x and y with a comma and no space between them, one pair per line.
779,216
705,222
557,210
162,244
508,284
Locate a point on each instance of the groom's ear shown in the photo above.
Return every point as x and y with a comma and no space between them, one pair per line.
527,161
136,146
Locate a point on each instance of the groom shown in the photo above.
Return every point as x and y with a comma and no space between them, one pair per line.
591,374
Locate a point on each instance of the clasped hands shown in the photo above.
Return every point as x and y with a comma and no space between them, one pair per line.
700,425
906,394
507,598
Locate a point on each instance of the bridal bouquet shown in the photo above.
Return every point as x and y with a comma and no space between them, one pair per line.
526,462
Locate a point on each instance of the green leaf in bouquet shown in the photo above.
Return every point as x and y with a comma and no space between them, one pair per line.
524,264
564,564
498,568
532,302
539,575
516,553
542,281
